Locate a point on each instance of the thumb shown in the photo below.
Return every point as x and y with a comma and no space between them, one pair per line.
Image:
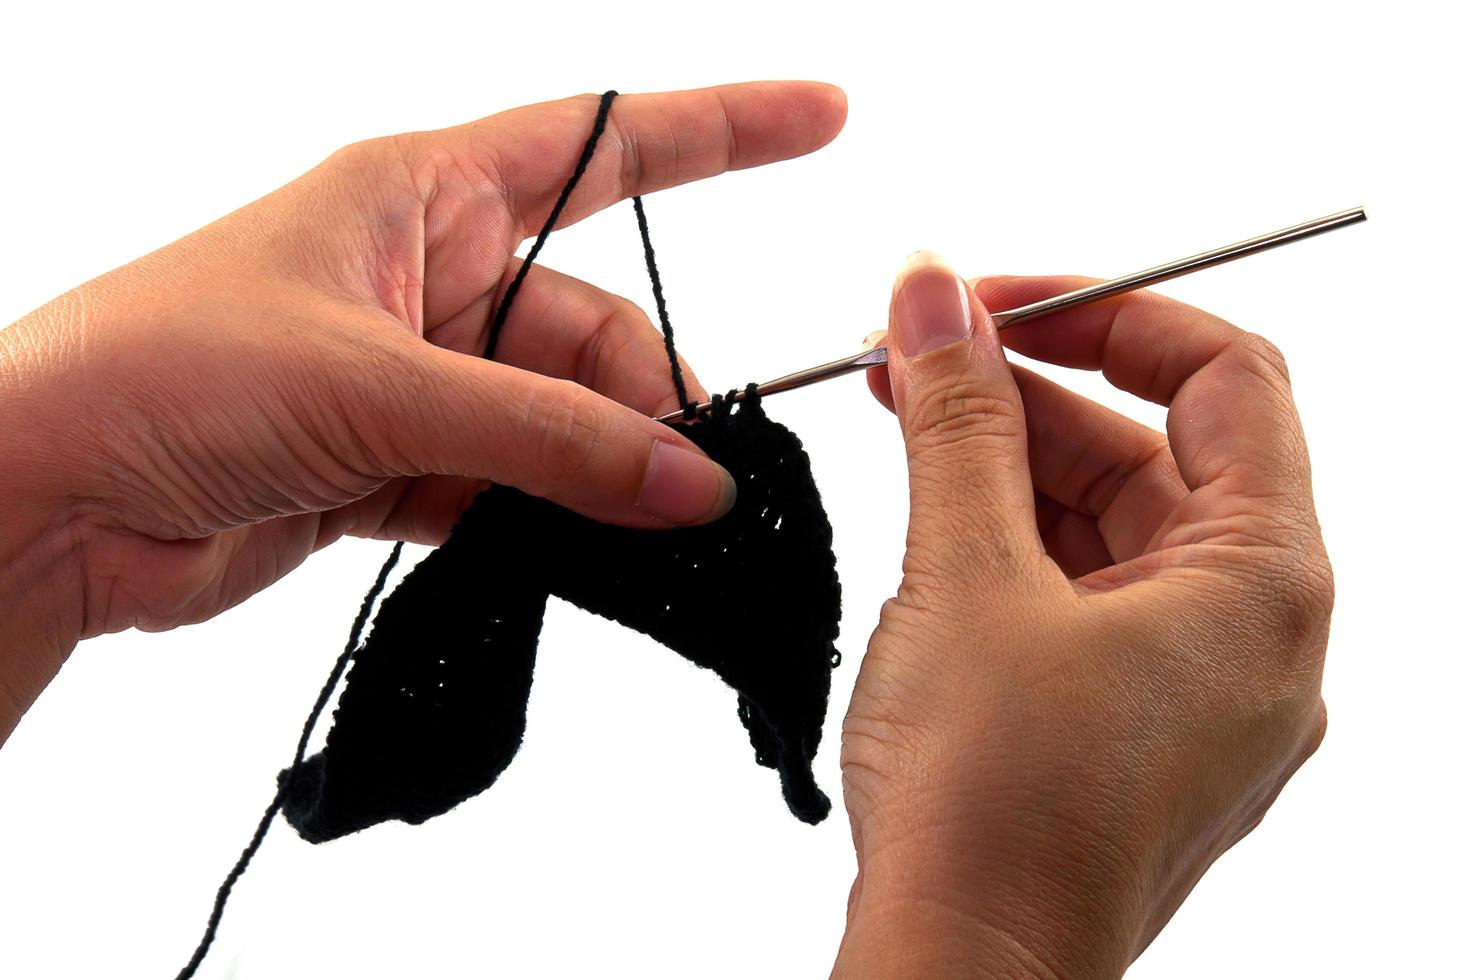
962,421
467,416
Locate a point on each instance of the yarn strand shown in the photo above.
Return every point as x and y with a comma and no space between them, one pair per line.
602,114
689,408
504,308
339,666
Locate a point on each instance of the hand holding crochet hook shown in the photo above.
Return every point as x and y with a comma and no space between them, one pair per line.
1037,747
1105,656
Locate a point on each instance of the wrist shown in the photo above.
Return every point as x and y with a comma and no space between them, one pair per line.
935,910
911,939
41,587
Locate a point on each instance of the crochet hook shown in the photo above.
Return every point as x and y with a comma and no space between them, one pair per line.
1087,294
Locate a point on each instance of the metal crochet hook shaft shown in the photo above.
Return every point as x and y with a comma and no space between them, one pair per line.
1087,294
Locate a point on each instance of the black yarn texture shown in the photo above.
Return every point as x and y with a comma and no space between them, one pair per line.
436,701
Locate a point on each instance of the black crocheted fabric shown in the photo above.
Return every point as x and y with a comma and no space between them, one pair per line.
436,701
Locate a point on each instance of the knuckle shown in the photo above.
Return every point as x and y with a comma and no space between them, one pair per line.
357,394
607,347
565,432
962,415
631,164
1273,616
380,174
364,157
947,541
720,109
1323,584
1100,491
1305,596
1264,356
1299,735
1316,731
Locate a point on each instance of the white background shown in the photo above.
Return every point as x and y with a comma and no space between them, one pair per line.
634,836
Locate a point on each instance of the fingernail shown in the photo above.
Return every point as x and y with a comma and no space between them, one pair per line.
931,305
685,487
873,338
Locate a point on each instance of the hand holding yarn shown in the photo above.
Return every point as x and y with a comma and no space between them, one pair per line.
1105,656
199,421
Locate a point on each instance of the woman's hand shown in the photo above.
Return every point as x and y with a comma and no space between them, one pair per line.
1105,656
182,432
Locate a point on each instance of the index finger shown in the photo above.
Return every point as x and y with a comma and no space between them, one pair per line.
652,141
1231,422
493,182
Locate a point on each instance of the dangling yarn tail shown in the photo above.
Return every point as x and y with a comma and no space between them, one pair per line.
339,666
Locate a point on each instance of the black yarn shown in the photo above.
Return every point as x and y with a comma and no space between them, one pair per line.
436,702
602,115
499,318
224,892
689,408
